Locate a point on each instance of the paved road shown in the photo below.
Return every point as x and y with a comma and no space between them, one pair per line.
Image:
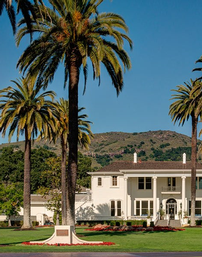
103,254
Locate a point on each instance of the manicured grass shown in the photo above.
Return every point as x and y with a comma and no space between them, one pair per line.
188,240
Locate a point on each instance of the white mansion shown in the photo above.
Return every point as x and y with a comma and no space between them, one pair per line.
131,189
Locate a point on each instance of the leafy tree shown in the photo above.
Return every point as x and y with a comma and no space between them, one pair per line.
52,190
11,165
39,164
25,111
84,166
11,199
187,104
72,33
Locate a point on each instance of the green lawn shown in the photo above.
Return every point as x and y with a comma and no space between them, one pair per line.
188,240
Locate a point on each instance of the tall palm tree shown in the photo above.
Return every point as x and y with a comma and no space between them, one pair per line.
26,7
73,33
188,104
25,111
61,114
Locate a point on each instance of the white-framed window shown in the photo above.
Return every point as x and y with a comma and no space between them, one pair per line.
99,181
198,182
144,183
115,208
198,211
114,181
143,207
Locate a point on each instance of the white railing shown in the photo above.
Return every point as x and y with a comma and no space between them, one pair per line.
171,189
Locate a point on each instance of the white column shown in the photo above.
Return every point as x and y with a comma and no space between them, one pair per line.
125,198
154,197
183,195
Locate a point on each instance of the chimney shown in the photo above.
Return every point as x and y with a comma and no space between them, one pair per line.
135,157
184,158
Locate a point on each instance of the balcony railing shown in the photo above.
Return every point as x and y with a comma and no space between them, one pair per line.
171,189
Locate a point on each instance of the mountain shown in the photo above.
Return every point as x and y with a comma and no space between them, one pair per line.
110,146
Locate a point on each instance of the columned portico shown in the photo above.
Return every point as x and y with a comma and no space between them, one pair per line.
154,197
183,195
125,198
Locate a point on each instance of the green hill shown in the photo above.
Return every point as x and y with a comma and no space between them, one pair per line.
110,146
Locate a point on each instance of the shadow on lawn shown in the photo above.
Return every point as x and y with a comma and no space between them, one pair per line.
118,233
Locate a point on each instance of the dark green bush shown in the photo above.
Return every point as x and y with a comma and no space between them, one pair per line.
151,224
35,223
198,222
144,224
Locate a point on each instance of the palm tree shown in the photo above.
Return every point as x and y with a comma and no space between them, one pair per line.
73,33
62,130
25,111
188,104
26,7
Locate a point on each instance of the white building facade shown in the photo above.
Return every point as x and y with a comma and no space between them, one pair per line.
132,190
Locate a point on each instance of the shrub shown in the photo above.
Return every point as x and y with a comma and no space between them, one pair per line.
198,222
144,224
35,223
3,224
151,224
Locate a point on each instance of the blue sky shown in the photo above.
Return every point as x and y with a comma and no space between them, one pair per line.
167,38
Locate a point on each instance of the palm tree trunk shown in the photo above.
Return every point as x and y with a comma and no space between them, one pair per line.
63,181
74,65
193,169
26,194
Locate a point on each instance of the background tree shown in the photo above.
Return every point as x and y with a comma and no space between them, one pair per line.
39,165
187,104
62,131
52,190
11,199
73,33
11,165
25,111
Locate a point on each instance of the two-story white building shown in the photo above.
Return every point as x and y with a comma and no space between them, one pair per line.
132,189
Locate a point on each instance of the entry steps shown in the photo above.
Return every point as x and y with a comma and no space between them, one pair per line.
172,223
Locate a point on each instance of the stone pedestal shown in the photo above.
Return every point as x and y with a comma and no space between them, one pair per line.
64,235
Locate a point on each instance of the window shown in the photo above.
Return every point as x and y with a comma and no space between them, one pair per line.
197,208
144,207
198,182
114,180
118,208
171,182
99,181
112,208
138,208
144,183
141,183
148,183
115,208
151,207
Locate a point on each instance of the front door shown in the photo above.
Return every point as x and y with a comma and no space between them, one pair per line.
171,208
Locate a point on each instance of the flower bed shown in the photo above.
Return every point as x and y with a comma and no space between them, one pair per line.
100,227
104,243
